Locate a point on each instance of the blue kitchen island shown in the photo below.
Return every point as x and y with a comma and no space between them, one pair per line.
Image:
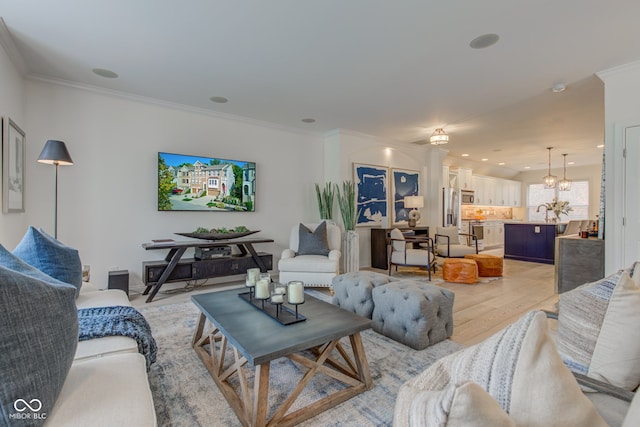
530,241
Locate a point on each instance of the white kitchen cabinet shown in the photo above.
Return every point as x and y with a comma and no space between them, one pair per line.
493,233
445,176
465,179
485,190
515,193
490,191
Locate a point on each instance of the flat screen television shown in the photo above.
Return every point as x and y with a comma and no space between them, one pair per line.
197,183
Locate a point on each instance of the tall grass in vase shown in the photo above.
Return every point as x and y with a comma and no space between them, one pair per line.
325,197
350,240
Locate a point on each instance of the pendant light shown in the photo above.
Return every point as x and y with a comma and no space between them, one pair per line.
550,180
439,137
564,184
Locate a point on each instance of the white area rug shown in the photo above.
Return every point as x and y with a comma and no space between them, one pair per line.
185,394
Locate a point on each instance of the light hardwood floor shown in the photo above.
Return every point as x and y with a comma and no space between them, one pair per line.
479,310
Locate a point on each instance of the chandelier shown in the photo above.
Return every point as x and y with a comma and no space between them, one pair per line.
550,180
439,137
564,184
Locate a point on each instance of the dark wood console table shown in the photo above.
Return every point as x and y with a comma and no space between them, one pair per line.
175,269
379,240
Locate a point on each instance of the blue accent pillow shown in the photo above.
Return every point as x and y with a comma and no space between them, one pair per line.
38,340
50,256
313,242
12,262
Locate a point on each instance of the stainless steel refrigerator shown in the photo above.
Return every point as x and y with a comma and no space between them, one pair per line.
451,207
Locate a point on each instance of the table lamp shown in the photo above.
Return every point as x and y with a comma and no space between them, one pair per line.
55,153
414,202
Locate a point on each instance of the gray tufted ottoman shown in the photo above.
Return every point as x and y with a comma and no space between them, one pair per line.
353,291
413,313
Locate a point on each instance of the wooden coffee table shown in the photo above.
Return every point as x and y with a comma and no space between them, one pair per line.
253,340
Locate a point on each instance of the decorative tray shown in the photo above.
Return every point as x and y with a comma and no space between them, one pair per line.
218,236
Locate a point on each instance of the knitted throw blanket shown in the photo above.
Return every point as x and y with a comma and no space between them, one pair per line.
98,322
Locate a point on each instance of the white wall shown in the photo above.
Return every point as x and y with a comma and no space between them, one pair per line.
12,225
107,199
343,148
622,109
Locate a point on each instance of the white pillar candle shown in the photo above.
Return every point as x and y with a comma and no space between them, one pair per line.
262,289
281,290
296,293
277,298
253,274
250,283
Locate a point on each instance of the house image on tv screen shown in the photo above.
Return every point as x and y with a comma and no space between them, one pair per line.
204,183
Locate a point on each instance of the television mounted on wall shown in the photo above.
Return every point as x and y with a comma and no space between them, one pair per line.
197,183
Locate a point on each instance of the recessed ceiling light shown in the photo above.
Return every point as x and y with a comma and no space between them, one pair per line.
571,163
600,146
527,167
219,99
501,163
102,72
558,87
484,160
484,41
465,155
308,120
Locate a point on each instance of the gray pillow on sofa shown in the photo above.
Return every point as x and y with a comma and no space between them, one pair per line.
12,262
51,256
313,242
38,340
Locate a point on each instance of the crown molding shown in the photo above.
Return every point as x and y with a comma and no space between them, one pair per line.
168,104
8,44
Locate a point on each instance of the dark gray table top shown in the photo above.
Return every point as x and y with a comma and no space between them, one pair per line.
260,338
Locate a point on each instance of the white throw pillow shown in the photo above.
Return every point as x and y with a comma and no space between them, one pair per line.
519,367
598,333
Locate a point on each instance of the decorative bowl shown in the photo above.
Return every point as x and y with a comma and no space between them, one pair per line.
218,236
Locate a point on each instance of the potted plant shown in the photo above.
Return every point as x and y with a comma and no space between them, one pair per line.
559,207
350,240
325,201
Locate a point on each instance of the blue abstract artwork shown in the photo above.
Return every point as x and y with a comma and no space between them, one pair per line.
405,183
371,193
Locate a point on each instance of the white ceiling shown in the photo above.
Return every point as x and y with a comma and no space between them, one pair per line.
392,69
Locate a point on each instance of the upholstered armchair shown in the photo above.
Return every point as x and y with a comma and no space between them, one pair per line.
448,244
403,252
313,256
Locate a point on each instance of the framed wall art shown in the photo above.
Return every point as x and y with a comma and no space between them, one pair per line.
13,148
371,193
403,183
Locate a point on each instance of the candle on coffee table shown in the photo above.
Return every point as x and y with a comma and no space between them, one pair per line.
296,292
277,298
253,274
262,289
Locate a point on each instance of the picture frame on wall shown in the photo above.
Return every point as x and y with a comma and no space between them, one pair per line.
371,184
13,149
403,183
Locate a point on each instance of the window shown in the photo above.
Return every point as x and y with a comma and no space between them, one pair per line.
578,198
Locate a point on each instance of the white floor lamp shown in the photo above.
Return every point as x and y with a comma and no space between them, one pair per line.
55,153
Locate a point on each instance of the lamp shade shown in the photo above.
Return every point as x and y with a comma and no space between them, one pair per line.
55,153
414,202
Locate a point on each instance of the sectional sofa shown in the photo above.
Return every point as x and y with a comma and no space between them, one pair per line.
107,384
60,365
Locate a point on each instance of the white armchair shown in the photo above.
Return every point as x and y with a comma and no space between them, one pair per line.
313,269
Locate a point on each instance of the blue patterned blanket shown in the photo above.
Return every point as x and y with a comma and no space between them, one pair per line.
98,322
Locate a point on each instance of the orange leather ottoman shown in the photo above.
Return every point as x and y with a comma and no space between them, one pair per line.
488,265
460,270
